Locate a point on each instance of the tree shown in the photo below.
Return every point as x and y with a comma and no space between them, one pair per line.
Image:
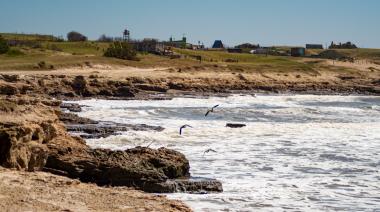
4,47
76,36
121,50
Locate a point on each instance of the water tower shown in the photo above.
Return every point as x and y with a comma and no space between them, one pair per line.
126,35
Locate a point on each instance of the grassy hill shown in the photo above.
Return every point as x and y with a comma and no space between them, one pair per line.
28,37
46,49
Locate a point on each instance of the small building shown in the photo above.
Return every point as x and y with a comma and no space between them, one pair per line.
218,44
235,50
314,46
260,51
182,44
297,52
150,45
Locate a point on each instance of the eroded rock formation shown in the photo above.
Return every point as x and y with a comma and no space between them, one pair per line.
33,138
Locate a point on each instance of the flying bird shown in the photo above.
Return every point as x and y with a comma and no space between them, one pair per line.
208,150
182,127
211,110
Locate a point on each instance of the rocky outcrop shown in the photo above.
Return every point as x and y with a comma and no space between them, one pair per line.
22,147
33,138
87,128
196,185
134,167
26,126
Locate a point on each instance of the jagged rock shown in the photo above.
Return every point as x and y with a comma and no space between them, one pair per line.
133,167
22,147
147,87
197,185
105,129
71,118
10,77
124,91
79,84
7,89
72,107
33,138
88,128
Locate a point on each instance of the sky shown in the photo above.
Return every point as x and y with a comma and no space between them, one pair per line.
266,22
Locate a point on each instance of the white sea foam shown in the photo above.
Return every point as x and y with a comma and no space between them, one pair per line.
301,152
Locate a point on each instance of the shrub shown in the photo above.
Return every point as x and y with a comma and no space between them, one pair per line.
14,52
121,50
4,47
76,36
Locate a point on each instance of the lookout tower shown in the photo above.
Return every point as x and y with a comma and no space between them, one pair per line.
126,35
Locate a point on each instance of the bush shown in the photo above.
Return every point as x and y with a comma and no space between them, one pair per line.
76,36
121,50
14,52
4,47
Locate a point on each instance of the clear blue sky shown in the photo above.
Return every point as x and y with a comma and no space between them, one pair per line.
267,22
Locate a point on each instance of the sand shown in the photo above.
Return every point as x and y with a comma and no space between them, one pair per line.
40,191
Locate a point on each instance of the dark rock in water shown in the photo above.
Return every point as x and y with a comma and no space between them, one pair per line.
71,118
105,129
231,125
158,171
72,107
87,128
135,167
191,185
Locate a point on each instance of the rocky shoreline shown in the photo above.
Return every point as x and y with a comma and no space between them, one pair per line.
41,142
69,87
39,133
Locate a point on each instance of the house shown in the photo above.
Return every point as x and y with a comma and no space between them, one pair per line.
150,45
314,46
347,45
297,52
218,45
182,44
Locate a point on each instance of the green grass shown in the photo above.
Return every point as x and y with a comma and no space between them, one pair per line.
251,62
71,54
78,48
28,37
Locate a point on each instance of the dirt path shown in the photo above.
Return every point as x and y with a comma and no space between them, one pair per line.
39,191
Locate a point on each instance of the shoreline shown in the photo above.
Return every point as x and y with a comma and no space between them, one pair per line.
42,93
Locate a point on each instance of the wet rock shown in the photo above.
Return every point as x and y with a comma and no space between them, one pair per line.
134,167
191,185
72,107
74,119
231,125
105,129
88,128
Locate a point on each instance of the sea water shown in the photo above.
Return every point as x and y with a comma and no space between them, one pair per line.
296,153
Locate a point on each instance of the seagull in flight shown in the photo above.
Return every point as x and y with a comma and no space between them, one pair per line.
182,127
208,150
211,110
